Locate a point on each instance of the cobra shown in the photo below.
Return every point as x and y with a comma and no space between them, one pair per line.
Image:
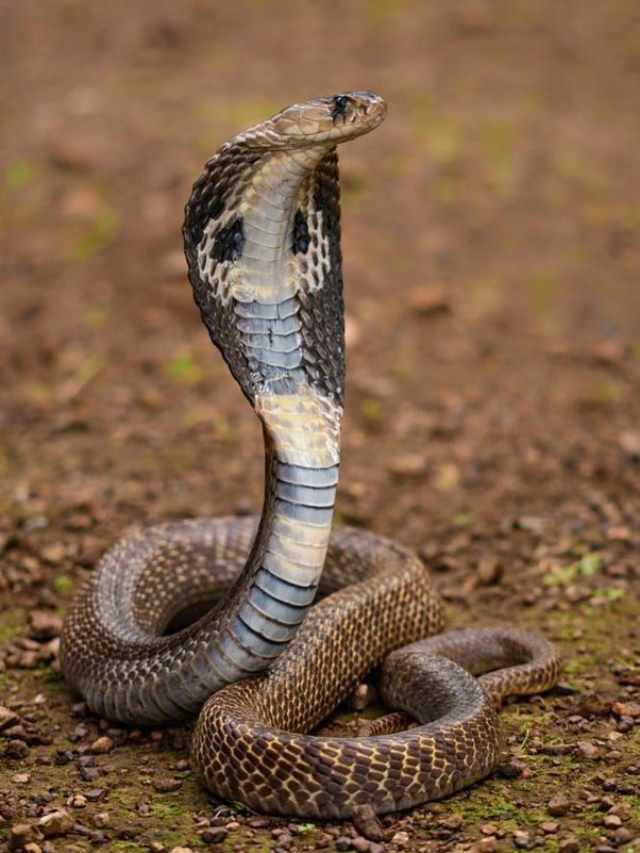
261,665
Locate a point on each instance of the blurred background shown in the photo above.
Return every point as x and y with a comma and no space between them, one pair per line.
491,263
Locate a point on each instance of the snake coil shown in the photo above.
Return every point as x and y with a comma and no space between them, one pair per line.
262,241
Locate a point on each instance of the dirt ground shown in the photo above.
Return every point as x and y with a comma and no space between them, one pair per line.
491,264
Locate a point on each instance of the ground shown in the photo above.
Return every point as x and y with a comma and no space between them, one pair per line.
491,263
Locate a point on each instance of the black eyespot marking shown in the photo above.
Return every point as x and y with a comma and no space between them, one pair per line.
229,242
300,235
339,107
201,210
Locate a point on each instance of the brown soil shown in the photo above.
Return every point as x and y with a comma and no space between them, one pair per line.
491,262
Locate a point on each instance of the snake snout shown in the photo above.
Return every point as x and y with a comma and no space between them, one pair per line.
332,120
353,106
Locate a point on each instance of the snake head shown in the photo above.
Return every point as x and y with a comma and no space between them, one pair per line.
326,120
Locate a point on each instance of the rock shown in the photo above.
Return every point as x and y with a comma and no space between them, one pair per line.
16,749
54,553
489,844
428,301
623,810
513,768
8,718
360,844
44,625
630,444
166,784
612,821
521,839
569,845
77,801
558,806
343,843
489,571
21,778
22,834
102,745
550,827
215,835
56,824
626,709
95,794
587,749
362,696
408,464
90,774
400,839
622,835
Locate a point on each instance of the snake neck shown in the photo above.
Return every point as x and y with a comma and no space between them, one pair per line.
282,573
264,261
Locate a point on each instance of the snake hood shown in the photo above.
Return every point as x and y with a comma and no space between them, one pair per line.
262,240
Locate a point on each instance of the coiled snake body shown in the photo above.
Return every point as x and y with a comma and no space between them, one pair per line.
262,240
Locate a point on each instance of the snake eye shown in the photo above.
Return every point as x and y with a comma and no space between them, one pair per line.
339,107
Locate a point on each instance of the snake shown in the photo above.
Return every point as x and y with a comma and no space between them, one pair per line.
215,617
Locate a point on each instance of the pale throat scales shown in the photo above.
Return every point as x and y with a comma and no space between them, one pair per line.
265,255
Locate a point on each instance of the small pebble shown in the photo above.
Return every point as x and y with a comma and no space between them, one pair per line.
363,695
400,839
8,718
22,834
16,749
550,827
489,844
521,839
343,843
44,625
626,709
612,821
56,824
489,571
587,749
102,745
166,785
558,806
215,835
622,835
569,845
360,844
623,810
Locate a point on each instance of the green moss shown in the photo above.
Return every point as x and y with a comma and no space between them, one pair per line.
100,234
168,808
